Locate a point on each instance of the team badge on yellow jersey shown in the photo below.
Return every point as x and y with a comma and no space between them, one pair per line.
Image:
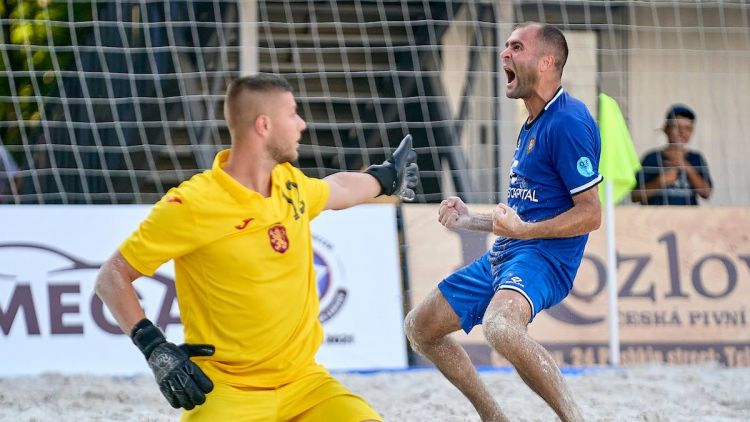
278,238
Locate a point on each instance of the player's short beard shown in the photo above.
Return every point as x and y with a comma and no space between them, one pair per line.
525,83
281,154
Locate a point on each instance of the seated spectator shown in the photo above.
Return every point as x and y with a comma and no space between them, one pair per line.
673,175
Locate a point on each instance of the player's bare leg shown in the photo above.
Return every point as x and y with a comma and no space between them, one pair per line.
427,327
504,324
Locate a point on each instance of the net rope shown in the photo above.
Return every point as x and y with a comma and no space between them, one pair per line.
114,102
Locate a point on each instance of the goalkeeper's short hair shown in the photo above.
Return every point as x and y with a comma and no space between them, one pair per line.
261,82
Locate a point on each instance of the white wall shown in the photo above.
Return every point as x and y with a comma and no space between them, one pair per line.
699,57
481,169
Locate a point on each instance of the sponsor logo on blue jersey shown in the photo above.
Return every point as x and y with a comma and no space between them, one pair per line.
512,173
522,194
584,166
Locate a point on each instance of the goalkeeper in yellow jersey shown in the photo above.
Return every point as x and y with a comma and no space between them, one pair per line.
240,238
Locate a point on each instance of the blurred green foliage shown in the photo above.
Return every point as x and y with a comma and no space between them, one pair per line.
31,31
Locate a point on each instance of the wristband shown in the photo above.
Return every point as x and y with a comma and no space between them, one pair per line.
146,336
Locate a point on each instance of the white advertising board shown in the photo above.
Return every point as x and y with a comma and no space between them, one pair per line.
51,320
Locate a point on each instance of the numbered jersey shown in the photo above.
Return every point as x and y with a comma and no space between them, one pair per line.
244,271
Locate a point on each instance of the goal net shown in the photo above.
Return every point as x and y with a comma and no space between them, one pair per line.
116,101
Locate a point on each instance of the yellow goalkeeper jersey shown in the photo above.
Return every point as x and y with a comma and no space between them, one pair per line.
243,271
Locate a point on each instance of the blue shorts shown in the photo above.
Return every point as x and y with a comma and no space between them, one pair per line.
539,279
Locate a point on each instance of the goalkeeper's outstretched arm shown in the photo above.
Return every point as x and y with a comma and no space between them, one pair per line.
398,176
349,189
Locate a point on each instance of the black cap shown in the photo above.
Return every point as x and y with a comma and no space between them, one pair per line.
680,110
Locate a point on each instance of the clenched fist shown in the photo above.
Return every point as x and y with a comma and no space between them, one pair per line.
453,213
507,223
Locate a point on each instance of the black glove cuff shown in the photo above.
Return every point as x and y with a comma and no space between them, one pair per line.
146,336
386,176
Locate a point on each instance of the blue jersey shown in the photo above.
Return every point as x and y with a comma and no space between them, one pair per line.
557,156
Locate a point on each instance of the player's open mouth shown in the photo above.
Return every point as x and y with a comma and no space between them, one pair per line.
511,75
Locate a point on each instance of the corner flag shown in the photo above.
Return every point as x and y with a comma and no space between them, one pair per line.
619,161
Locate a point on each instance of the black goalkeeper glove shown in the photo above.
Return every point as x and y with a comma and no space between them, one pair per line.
398,175
181,381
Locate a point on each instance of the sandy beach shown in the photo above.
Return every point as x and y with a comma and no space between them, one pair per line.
643,393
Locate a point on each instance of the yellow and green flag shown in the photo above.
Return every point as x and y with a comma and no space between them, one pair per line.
619,161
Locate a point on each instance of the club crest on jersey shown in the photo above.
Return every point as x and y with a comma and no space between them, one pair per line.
530,147
278,238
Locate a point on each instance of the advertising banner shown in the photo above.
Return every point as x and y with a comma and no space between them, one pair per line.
51,320
683,286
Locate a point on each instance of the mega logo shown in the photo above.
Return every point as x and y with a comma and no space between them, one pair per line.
50,291
329,277
55,295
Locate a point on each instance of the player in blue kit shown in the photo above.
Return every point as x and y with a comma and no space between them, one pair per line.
552,206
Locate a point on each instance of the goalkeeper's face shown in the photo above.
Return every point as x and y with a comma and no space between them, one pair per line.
287,128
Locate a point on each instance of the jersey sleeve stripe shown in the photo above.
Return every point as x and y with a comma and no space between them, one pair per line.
587,185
